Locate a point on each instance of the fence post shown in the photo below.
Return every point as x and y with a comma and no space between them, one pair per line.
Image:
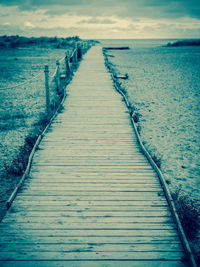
75,53
58,76
67,65
79,51
46,71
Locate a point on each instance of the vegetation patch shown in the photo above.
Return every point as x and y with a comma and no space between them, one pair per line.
188,212
17,41
194,42
157,161
11,120
136,117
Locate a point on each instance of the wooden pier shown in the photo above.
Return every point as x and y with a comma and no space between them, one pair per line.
92,198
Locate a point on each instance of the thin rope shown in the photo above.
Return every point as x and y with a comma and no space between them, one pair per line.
19,84
54,74
60,60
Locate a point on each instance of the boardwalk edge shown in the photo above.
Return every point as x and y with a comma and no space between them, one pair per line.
28,167
161,177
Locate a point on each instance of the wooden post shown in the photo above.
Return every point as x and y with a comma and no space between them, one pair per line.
75,53
58,76
67,65
46,71
79,51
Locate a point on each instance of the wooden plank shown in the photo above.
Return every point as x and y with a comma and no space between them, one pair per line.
62,160
128,208
137,196
91,232
69,180
149,194
109,263
115,157
92,176
92,152
79,255
90,169
106,165
94,187
30,239
98,177
98,247
113,213
118,203
95,219
87,226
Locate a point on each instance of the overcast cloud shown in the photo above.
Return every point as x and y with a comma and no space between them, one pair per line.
101,19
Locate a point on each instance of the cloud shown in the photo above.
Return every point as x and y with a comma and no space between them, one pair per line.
29,24
101,19
125,8
97,21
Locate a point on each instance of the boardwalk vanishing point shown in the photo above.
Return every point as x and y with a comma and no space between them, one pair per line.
92,198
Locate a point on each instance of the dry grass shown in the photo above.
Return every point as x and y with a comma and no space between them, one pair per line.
189,213
157,160
136,117
11,120
19,163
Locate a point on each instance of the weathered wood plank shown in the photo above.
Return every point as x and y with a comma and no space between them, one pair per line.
71,181
87,226
157,240
91,232
85,263
62,220
74,203
91,169
103,213
98,247
93,187
79,255
94,175
91,208
91,196
88,159
104,162
78,192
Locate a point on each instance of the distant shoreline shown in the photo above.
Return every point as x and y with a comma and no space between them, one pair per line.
193,42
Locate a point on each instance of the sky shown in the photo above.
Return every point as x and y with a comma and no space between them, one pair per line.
100,19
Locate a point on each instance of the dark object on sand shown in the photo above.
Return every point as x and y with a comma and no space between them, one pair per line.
124,77
117,48
185,43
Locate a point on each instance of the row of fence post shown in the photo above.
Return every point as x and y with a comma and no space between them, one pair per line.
73,59
46,71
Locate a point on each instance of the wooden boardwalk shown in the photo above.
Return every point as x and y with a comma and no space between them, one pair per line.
92,198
